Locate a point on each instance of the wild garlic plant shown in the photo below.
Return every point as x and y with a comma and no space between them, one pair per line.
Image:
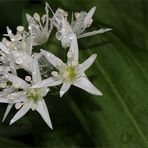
17,52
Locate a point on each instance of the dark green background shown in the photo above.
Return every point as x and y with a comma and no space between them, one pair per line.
117,119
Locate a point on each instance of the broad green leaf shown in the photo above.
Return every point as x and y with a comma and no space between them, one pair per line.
123,114
121,120
119,117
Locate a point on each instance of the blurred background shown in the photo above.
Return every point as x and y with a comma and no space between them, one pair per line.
119,118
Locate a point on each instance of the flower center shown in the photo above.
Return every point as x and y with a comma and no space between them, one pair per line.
36,93
72,73
69,74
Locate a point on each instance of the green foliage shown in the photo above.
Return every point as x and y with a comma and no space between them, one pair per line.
119,118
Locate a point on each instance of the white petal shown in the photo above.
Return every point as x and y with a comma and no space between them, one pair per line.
74,49
29,18
9,31
17,96
89,15
23,60
21,112
36,76
53,60
65,87
85,84
4,48
13,67
52,81
43,111
16,80
94,32
4,100
13,97
7,111
86,64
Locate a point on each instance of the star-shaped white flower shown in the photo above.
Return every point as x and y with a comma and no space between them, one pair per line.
70,73
25,97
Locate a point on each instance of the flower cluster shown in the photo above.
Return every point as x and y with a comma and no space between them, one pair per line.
17,52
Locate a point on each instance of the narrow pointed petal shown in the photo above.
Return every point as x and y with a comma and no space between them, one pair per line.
86,64
21,112
5,100
89,15
3,48
16,80
52,81
36,76
48,6
29,17
43,111
53,60
13,97
9,31
65,87
74,49
85,84
7,111
94,32
17,96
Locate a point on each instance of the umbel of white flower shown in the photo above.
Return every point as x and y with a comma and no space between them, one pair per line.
17,52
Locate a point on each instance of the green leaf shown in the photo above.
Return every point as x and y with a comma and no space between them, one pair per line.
119,73
124,109
119,117
5,142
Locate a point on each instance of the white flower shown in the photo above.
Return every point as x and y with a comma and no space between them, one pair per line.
65,30
70,73
25,97
39,27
